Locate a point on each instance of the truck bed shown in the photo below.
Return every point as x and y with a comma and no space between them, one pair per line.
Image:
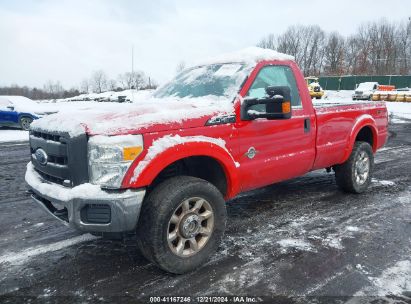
335,123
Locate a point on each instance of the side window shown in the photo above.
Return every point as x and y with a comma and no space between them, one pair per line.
4,103
274,75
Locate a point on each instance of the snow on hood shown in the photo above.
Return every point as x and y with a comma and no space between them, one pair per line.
114,119
250,55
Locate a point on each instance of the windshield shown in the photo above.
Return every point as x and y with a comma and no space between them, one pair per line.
222,80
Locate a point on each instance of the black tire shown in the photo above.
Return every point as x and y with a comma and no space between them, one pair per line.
346,174
25,122
157,210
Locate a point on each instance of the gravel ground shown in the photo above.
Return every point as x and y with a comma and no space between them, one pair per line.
294,242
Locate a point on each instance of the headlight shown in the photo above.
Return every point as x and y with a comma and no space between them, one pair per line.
109,158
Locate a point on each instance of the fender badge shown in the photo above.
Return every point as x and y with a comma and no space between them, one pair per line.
251,152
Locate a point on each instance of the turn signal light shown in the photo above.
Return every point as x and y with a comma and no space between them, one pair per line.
130,153
286,107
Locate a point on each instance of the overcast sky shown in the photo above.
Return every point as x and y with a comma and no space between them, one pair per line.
44,40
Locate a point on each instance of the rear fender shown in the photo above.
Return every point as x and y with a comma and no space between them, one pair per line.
365,120
144,170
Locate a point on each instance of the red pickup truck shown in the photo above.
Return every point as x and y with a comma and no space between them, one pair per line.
165,166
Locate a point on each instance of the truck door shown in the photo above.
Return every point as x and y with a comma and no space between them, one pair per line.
275,150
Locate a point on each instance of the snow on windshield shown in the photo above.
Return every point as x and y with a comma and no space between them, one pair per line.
221,80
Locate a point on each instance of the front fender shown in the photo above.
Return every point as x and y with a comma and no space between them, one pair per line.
365,120
145,169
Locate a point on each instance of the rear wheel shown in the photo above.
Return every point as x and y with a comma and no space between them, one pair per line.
181,223
25,122
355,174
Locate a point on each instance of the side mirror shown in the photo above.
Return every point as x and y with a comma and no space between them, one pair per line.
11,108
277,104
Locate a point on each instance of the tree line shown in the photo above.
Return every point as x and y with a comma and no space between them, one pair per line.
376,48
98,82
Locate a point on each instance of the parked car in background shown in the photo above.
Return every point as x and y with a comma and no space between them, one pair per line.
19,111
314,88
365,90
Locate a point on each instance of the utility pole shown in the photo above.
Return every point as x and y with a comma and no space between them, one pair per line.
132,72
132,59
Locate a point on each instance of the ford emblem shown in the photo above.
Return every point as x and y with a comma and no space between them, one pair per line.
41,156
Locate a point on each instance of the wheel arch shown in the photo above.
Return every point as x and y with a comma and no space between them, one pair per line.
205,160
364,129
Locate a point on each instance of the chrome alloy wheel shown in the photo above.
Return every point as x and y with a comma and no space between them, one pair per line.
25,123
362,168
190,227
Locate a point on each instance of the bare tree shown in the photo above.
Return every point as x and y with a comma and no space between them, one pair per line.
375,48
268,42
85,86
135,80
111,85
54,89
180,66
99,81
334,54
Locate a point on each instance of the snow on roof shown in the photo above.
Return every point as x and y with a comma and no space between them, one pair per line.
18,99
248,55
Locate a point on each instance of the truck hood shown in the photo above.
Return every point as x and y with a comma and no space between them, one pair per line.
152,115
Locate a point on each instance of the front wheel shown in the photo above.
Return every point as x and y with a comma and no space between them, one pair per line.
25,123
355,174
181,223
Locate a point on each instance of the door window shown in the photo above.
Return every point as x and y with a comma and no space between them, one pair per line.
4,103
274,75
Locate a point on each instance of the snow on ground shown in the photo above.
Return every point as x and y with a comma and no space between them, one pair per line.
110,96
8,135
393,281
16,258
296,244
398,110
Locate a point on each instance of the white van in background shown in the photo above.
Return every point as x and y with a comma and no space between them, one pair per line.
365,90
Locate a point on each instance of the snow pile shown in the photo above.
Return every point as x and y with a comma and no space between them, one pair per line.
162,144
250,55
130,95
337,96
13,135
114,118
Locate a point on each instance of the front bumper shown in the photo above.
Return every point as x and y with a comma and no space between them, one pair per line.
111,211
